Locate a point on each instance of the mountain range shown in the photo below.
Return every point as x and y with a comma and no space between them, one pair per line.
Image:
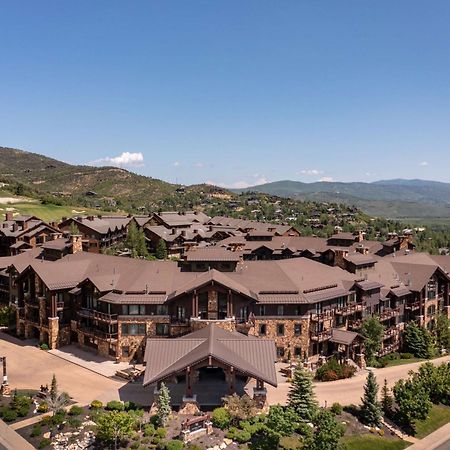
43,176
396,198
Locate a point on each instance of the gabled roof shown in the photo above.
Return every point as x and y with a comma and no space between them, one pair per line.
343,336
249,355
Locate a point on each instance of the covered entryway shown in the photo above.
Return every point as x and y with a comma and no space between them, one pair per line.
209,364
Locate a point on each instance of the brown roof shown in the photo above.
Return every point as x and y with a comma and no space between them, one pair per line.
249,355
212,254
343,336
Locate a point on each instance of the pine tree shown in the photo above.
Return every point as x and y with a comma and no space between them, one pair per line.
418,341
161,250
53,389
387,400
371,408
301,396
163,408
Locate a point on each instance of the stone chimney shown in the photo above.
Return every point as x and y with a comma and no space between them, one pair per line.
9,216
15,226
359,236
77,244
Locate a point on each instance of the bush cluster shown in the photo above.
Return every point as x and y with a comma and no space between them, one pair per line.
332,371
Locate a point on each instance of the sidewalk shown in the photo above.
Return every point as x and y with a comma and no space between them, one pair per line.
90,361
10,440
439,439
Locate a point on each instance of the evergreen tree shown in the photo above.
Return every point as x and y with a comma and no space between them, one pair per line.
161,250
372,331
327,433
163,408
53,388
371,408
135,241
418,341
55,399
386,399
301,396
442,332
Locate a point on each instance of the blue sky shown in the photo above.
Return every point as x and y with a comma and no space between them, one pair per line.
231,92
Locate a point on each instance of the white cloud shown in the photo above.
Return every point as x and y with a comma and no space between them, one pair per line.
326,179
311,172
198,165
176,163
424,164
124,159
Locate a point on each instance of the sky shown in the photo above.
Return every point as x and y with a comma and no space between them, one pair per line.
231,92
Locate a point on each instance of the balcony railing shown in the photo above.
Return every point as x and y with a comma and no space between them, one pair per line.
59,306
389,349
320,336
355,324
100,334
321,317
391,332
351,308
97,315
388,313
413,306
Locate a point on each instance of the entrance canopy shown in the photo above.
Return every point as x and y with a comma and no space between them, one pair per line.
210,346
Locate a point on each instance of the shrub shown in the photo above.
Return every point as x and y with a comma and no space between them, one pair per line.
75,410
36,431
58,417
43,346
194,447
330,375
145,440
351,409
9,415
74,422
134,445
336,409
47,420
149,430
382,362
174,445
43,407
161,433
23,411
381,431
130,406
290,443
242,436
406,355
44,443
115,405
96,404
348,371
221,418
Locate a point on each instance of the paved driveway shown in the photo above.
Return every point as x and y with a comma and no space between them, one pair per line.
350,390
30,367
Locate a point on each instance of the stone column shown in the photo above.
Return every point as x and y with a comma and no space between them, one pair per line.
260,396
231,380
53,332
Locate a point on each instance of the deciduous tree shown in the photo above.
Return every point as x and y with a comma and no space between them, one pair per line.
112,426
372,331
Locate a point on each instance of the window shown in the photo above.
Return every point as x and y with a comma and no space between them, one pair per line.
161,310
298,352
318,308
133,329
125,351
262,310
297,329
280,329
298,310
341,302
263,329
162,329
280,352
60,296
280,310
133,310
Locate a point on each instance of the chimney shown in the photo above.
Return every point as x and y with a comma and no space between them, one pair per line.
91,218
9,216
77,244
15,226
25,225
174,231
183,233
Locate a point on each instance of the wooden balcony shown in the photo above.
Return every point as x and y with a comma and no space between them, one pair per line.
389,349
99,334
321,317
389,313
413,306
59,306
320,336
349,309
97,315
391,332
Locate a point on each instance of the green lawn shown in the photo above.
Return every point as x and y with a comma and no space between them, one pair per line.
49,212
438,416
370,442
400,362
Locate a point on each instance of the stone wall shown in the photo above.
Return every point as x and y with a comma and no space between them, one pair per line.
289,341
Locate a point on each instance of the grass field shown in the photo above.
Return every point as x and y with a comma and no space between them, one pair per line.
400,362
370,442
47,212
438,416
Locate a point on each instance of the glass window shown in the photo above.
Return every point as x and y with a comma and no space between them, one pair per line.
262,310
162,329
125,310
280,329
133,310
297,329
161,310
298,352
263,329
280,310
280,352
